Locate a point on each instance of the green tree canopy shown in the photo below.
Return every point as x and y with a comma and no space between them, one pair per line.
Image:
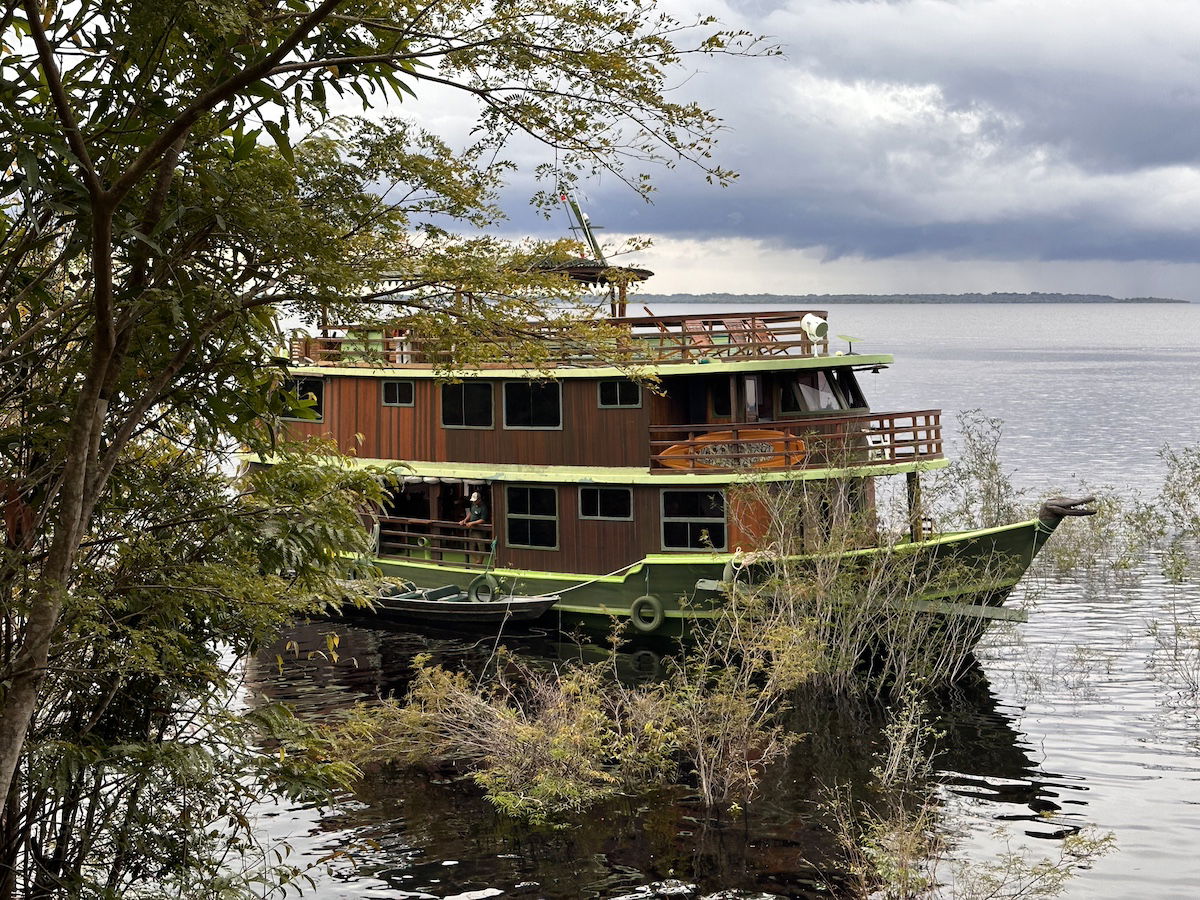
175,177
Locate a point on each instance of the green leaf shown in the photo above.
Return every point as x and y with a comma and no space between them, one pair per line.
281,140
29,165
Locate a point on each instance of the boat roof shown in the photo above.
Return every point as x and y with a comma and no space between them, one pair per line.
675,344
699,367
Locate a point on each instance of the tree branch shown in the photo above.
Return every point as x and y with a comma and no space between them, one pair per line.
211,98
59,96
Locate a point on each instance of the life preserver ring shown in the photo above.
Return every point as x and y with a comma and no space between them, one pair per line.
647,613
483,589
747,448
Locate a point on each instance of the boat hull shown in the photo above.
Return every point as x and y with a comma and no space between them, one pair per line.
986,565
465,613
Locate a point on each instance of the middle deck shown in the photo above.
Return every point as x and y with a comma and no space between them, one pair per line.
718,418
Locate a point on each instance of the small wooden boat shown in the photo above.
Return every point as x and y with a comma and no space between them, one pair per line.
451,605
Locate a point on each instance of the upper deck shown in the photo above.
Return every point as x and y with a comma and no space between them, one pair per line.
771,398
638,340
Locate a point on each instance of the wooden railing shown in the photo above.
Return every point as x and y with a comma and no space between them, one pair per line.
818,442
647,340
435,540
685,338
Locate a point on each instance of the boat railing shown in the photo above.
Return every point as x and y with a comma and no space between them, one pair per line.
647,340
825,442
693,336
436,541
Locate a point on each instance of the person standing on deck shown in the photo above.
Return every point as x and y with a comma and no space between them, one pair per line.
477,512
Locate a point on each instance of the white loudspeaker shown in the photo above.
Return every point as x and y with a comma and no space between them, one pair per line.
814,326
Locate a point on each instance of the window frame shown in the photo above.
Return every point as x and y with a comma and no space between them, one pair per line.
835,389
412,385
600,518
556,518
442,404
600,404
850,388
319,409
663,520
727,396
531,383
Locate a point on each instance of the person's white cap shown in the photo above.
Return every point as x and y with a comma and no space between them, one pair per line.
475,495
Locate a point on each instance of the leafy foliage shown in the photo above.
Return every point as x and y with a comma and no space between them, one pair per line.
141,767
177,179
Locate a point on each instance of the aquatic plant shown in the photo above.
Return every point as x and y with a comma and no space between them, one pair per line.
897,845
547,744
976,490
542,744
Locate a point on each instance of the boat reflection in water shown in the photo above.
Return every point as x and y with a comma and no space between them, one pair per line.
418,831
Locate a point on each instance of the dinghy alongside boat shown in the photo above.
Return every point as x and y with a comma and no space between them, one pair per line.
450,606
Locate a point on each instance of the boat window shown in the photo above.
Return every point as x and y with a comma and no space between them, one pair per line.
397,393
532,517
532,404
719,398
620,393
809,392
467,404
847,385
693,520
606,503
311,393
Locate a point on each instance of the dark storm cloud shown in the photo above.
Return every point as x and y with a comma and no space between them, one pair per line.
1056,130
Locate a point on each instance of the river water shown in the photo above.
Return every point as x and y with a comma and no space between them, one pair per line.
1074,718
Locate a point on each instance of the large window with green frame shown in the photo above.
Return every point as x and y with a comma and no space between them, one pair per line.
693,519
311,393
467,404
531,516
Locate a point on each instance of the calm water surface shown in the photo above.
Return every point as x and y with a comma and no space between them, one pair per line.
1068,723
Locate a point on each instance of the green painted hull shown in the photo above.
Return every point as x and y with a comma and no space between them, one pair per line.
985,565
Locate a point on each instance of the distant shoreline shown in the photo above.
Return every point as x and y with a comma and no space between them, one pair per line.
810,299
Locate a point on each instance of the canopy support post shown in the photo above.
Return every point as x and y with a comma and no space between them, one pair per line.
915,513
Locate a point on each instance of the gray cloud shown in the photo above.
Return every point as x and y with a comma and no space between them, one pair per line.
997,129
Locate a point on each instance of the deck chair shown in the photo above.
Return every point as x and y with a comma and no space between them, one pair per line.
698,337
767,340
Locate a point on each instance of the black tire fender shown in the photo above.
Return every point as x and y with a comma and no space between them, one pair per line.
647,613
483,589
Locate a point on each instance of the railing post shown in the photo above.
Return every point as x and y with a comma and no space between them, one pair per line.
913,490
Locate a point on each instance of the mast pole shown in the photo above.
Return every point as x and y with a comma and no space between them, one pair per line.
584,225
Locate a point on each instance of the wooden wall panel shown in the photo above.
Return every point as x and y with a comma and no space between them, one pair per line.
299,431
590,436
587,546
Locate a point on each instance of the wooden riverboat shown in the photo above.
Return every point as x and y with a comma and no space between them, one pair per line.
626,501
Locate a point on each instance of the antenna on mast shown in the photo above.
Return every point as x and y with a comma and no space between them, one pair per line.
584,226
596,272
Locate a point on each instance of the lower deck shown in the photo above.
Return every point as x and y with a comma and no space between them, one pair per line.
661,593
594,528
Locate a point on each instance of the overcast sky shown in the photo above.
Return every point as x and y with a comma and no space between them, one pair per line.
938,145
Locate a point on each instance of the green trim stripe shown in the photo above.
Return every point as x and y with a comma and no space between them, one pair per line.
605,475
706,367
691,559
